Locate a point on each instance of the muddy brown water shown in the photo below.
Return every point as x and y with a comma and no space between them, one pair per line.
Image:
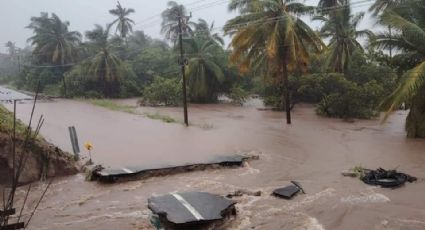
313,151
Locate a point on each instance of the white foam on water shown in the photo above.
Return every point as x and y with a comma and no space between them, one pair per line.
420,222
310,223
115,215
369,198
312,198
249,170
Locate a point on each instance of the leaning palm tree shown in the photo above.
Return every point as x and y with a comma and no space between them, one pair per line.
203,72
270,33
408,22
53,42
170,22
124,25
341,29
104,64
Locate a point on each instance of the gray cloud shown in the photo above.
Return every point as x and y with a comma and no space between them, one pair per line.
83,14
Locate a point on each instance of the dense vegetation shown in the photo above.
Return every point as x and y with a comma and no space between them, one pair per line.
272,52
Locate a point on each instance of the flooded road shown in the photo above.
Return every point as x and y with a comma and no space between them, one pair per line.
313,151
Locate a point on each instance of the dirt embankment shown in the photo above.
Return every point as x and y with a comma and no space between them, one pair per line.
44,160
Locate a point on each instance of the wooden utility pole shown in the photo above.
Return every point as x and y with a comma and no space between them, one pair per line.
182,63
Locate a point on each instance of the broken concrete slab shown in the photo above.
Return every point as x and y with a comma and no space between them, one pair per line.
191,210
145,171
288,192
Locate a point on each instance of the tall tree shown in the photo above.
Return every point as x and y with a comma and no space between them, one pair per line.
170,22
270,32
203,29
379,6
104,64
408,22
341,29
124,25
204,72
53,42
11,49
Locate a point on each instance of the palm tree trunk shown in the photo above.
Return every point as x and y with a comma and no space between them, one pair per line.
286,97
63,78
64,85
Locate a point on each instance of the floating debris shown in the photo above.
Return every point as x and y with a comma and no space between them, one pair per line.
241,192
190,210
380,176
290,191
386,178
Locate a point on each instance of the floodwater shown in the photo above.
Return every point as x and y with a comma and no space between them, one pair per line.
312,151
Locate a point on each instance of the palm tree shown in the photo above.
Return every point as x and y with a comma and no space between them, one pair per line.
11,49
170,22
203,72
270,32
104,64
202,29
124,25
341,28
379,7
409,23
53,42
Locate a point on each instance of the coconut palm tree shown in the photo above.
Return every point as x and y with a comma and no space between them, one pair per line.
270,32
104,64
53,42
203,71
170,22
379,7
408,21
341,29
124,25
11,49
207,31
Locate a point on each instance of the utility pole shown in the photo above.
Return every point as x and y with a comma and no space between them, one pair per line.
183,62
391,47
19,61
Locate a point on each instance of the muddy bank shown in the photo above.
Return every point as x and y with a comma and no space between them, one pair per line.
44,160
312,151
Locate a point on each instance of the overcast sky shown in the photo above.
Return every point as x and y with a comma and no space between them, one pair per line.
83,14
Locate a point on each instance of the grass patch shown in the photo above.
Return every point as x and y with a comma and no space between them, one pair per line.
113,106
130,109
6,122
161,117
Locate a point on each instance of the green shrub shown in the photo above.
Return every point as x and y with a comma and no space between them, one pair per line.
350,100
54,90
6,122
113,106
238,95
162,91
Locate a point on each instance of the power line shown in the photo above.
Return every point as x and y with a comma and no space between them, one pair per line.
159,14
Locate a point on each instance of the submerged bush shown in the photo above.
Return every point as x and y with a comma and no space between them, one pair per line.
162,91
350,100
238,95
335,95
